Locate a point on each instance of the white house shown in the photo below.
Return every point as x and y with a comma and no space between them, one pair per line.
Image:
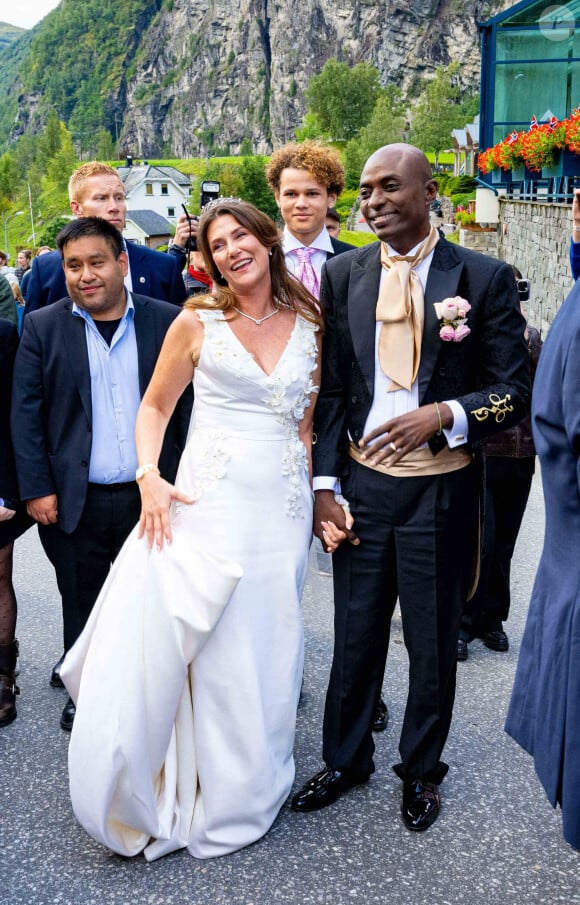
465,148
147,228
155,188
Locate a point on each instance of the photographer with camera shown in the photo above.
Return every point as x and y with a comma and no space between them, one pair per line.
510,461
184,244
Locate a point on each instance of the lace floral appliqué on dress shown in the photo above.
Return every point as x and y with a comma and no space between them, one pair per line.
288,390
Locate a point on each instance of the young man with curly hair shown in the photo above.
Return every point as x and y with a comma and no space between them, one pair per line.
307,179
96,190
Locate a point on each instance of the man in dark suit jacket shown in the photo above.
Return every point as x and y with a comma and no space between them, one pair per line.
96,190
82,367
307,179
406,390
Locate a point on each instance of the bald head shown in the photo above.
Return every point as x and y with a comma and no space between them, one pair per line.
396,191
404,155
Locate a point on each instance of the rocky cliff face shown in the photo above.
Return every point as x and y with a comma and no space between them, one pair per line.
211,72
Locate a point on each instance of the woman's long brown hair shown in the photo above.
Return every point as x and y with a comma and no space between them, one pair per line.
287,291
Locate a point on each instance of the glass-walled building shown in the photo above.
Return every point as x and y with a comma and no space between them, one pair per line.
530,67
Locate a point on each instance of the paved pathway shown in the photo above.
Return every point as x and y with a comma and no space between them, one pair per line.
497,840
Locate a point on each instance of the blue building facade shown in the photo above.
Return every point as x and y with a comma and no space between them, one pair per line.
530,67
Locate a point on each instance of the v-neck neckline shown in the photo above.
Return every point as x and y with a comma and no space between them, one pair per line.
252,357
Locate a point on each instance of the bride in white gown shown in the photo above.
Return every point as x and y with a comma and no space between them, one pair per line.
187,676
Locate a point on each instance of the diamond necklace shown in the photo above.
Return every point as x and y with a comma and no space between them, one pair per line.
257,320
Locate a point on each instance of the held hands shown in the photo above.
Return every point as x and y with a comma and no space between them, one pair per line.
6,514
43,509
332,522
156,497
389,442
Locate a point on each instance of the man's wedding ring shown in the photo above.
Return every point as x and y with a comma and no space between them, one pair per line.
393,447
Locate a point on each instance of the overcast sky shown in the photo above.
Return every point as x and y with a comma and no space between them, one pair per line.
26,13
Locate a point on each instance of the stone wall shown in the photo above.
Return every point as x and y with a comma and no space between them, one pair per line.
482,240
535,237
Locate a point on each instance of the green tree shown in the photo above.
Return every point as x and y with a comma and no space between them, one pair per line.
59,169
50,231
246,149
105,147
9,179
439,110
387,125
343,97
49,143
311,129
255,187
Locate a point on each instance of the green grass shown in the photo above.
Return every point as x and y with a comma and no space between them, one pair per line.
356,238
191,166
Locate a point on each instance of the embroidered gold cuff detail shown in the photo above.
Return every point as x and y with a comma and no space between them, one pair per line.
499,408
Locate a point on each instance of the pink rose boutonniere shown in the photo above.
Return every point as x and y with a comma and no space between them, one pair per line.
453,316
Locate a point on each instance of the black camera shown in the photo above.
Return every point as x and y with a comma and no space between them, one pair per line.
191,243
524,290
209,192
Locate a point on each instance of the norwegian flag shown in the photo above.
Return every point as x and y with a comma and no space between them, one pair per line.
553,123
533,123
512,137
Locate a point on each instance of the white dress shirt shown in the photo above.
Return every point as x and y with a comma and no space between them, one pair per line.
322,244
386,406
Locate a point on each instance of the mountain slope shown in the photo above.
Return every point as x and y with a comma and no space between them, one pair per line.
188,77
9,34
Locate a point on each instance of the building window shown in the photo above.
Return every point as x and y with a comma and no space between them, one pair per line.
164,189
171,212
148,188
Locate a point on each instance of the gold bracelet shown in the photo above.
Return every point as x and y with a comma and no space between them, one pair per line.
438,410
145,469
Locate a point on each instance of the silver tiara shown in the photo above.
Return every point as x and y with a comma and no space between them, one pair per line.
217,201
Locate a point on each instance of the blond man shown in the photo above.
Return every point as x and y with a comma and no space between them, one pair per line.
96,190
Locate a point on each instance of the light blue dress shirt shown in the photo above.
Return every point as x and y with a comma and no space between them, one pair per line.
115,398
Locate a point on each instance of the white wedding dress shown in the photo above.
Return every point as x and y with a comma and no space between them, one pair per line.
187,675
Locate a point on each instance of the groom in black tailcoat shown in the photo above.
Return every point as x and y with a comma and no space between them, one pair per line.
424,356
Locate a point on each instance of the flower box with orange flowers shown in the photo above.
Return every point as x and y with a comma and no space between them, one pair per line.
538,148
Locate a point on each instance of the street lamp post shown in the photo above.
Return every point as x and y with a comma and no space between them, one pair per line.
5,220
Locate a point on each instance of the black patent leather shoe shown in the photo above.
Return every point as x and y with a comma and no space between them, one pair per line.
462,650
381,717
325,788
67,717
497,640
421,804
55,679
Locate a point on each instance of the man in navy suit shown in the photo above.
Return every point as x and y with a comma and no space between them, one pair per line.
82,366
424,356
96,190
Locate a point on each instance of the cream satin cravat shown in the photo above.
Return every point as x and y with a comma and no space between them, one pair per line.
401,310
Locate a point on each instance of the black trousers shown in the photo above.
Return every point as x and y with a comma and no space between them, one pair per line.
507,488
417,541
82,559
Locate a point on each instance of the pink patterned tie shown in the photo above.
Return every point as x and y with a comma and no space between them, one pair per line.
306,272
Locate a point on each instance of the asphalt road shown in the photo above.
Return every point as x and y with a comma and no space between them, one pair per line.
497,840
